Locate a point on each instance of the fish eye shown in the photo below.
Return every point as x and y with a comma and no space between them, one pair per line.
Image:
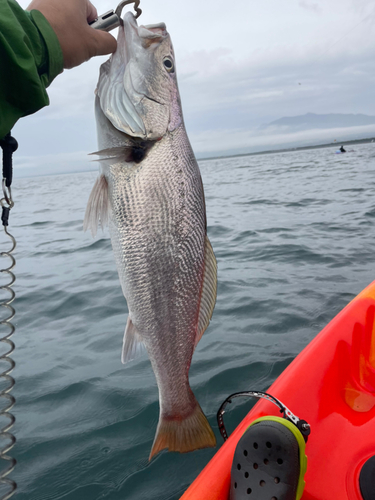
168,64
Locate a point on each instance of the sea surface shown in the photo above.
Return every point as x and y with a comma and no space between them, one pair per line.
294,236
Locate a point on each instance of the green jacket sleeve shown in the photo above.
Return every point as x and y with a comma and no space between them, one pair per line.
30,58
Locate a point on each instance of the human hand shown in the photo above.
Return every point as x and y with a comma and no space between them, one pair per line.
69,20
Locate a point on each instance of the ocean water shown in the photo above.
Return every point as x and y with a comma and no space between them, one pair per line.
294,237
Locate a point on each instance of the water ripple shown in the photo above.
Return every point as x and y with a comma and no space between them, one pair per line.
293,236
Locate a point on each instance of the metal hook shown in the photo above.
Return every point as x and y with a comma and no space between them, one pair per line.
122,4
112,19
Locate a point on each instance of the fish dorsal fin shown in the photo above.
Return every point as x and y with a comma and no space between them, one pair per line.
208,294
132,346
97,206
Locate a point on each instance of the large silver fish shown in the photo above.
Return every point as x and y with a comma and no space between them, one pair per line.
150,192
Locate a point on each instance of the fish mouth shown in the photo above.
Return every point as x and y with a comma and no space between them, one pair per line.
148,34
153,31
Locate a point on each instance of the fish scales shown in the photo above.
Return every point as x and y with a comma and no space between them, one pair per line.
154,200
152,204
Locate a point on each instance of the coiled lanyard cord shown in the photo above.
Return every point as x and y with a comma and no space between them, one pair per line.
7,401
302,425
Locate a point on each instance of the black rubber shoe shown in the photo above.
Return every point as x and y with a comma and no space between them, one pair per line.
367,479
269,462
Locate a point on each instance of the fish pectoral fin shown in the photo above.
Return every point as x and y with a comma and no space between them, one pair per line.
132,346
208,294
120,153
134,152
112,152
97,209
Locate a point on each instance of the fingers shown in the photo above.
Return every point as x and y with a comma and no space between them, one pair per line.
92,13
104,43
69,19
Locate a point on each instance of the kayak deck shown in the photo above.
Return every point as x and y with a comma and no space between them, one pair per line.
331,384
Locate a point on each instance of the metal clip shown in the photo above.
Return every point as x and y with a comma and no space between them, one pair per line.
112,19
7,192
106,22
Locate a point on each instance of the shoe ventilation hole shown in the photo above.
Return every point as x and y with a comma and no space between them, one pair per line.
248,491
255,445
262,483
245,453
239,466
246,475
235,485
277,480
268,444
255,466
265,461
280,461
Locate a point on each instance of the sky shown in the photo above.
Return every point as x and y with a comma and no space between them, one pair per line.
240,65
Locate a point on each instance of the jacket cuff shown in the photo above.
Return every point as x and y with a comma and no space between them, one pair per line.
53,53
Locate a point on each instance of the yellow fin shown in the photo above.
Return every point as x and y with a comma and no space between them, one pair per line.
192,433
209,289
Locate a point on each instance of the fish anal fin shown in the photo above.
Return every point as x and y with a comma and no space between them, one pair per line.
132,346
208,293
183,435
98,206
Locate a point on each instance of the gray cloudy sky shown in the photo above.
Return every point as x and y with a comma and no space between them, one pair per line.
239,64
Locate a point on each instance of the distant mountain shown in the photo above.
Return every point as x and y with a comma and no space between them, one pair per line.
298,131
311,121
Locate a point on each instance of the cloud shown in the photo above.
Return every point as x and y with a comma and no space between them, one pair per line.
222,94
365,8
235,72
313,7
260,89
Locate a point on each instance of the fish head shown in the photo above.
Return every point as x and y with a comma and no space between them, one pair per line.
137,86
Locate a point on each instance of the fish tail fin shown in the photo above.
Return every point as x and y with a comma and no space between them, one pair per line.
183,434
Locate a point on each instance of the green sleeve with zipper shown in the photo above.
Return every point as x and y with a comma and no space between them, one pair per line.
30,58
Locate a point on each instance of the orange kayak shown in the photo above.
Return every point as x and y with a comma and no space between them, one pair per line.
331,384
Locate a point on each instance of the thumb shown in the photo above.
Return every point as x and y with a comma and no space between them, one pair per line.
103,43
